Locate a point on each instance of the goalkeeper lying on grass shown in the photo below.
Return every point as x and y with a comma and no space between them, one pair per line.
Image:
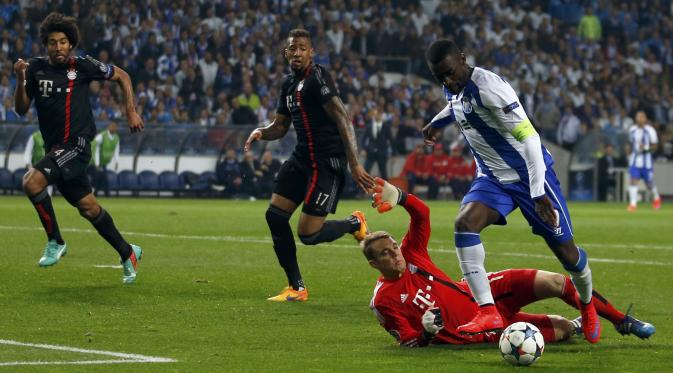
418,303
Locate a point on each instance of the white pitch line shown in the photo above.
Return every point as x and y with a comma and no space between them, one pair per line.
130,358
248,239
107,266
257,239
76,362
155,235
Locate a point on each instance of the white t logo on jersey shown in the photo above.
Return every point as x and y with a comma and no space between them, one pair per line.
424,298
45,87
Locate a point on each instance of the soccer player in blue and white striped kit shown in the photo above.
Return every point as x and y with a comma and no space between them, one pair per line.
643,141
514,170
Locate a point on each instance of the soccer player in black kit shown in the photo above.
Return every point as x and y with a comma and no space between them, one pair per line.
315,172
59,84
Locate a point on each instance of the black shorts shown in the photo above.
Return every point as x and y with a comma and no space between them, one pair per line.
65,166
317,185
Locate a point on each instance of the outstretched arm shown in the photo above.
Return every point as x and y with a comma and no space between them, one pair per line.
122,78
275,130
386,196
336,110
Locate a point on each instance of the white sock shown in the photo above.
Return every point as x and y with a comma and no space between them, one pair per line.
633,195
583,283
471,260
580,274
655,192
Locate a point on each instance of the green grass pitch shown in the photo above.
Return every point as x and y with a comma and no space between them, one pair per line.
209,266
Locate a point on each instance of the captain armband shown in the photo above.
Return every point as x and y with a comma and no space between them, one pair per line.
523,130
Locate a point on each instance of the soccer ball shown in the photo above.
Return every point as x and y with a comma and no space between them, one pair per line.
521,343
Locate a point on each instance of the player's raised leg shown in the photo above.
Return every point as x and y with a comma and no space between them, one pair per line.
35,187
101,220
472,218
315,229
321,199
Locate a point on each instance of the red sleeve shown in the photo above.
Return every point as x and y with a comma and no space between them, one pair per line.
415,242
398,326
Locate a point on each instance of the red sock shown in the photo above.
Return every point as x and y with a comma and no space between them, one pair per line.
603,307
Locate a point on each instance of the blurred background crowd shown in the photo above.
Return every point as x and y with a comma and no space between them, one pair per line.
581,68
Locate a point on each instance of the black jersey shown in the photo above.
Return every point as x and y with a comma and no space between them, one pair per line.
61,94
302,98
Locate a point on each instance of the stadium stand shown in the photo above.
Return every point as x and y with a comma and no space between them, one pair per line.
190,61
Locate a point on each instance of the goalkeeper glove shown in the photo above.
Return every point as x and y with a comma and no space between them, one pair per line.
432,321
386,196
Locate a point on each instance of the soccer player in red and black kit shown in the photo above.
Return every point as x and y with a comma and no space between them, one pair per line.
418,303
315,172
59,84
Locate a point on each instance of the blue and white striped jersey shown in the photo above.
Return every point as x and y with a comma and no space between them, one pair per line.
642,139
494,124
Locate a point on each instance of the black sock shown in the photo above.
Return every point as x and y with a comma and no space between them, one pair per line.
106,228
284,245
45,211
331,230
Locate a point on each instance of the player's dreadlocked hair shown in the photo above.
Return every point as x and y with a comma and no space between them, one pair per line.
57,22
441,48
299,33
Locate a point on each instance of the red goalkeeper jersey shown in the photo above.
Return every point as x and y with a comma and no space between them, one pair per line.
400,304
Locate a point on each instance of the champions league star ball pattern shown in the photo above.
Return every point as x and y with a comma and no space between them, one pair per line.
521,343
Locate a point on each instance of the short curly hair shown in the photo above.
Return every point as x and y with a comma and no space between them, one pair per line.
366,244
57,22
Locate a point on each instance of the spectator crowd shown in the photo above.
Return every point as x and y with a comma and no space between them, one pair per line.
581,68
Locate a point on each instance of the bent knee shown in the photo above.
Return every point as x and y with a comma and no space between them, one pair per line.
89,212
275,215
33,182
311,239
548,284
466,223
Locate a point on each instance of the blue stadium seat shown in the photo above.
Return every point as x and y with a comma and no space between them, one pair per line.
17,178
112,181
207,176
128,180
169,180
187,178
6,183
148,180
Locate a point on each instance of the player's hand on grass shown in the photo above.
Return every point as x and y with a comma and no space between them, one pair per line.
386,196
545,209
255,135
432,321
431,134
20,68
362,178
